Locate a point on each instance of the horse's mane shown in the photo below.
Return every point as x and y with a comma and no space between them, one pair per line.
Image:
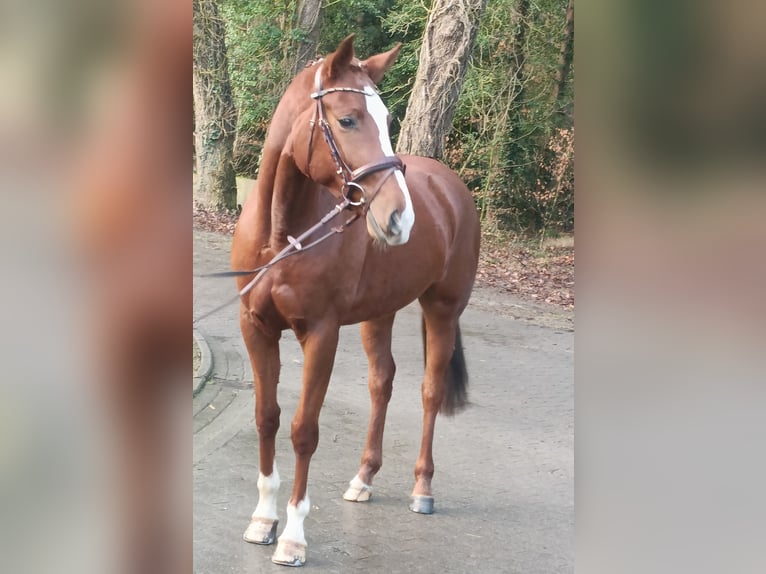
288,108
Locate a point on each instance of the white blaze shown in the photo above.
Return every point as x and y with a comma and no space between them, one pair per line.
377,109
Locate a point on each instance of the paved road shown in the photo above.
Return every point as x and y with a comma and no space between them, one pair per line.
504,482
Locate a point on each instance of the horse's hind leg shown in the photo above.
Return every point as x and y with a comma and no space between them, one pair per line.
376,339
440,324
264,357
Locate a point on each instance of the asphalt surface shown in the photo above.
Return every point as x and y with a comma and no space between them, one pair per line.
504,480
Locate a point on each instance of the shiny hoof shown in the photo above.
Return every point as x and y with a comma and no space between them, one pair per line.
422,504
289,553
261,531
358,491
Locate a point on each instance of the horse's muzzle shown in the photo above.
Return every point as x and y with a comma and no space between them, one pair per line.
394,232
395,224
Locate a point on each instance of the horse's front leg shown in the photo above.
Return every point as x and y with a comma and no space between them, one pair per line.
376,338
264,357
319,345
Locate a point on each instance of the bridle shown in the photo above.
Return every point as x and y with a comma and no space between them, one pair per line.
351,177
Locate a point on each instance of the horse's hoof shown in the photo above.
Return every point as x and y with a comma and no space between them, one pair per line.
289,553
422,504
261,531
358,491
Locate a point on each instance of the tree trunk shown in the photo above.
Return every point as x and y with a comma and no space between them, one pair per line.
308,25
447,44
519,51
215,116
565,54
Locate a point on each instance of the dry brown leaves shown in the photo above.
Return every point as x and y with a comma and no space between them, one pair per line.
541,273
220,222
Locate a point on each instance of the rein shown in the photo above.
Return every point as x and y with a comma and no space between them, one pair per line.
295,246
351,179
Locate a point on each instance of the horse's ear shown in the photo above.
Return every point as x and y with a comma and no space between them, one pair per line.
377,65
340,59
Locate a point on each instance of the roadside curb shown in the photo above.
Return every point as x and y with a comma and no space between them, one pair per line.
206,363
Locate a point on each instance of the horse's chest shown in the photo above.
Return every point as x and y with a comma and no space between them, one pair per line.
301,304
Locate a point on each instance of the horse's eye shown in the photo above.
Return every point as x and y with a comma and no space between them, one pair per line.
347,123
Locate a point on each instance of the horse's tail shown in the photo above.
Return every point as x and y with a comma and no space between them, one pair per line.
456,391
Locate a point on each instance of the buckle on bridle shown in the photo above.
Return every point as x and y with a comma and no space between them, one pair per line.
347,192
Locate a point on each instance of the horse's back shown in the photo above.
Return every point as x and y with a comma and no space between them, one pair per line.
444,200
444,191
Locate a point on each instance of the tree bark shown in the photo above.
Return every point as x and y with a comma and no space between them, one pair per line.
519,50
447,44
565,54
309,25
215,116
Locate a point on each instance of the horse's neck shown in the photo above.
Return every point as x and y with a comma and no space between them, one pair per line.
293,206
290,106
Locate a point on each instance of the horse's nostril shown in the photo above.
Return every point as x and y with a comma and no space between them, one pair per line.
395,224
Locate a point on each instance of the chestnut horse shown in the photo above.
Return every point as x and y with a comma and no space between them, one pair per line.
329,140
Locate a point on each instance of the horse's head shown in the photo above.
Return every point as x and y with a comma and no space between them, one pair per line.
342,141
